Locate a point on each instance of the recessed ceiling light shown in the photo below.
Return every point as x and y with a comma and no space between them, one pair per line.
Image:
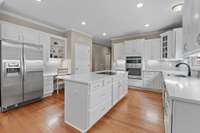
104,34
177,7
38,0
140,5
146,25
83,23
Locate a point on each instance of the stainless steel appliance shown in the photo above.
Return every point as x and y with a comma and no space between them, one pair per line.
134,67
21,73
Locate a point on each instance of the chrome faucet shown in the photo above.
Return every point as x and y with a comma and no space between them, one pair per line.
188,66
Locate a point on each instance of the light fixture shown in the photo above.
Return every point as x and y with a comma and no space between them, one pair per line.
177,7
38,0
140,5
146,25
104,34
83,23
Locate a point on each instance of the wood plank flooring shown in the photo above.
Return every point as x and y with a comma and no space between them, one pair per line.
139,112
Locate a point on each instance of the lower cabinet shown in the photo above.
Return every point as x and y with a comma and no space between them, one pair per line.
152,80
48,85
181,116
86,103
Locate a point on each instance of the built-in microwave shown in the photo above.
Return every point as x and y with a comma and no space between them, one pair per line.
134,67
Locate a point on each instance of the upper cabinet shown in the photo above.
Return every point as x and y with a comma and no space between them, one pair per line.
134,47
19,33
10,32
152,49
172,44
118,51
30,36
54,46
191,26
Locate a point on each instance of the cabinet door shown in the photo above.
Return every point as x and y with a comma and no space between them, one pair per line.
129,48
178,41
119,51
155,49
191,26
147,50
30,36
115,92
10,32
45,41
48,85
167,47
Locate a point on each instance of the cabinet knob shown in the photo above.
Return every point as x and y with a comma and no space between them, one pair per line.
198,39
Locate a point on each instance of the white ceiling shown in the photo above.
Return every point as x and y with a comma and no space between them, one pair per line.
115,17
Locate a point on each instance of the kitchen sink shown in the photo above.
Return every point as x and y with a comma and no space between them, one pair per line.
177,75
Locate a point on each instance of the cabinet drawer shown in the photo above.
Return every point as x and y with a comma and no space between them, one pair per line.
100,95
97,85
96,113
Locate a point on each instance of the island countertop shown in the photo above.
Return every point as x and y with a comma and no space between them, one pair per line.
90,77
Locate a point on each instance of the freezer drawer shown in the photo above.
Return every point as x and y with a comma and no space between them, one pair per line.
11,74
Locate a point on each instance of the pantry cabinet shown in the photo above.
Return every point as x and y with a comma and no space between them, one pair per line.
191,26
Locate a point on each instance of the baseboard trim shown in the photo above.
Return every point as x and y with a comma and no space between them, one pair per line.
146,89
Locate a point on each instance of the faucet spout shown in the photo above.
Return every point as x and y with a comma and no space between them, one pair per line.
188,66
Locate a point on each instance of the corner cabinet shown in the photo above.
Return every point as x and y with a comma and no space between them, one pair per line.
191,27
172,44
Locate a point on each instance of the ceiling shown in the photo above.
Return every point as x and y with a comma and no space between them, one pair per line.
115,17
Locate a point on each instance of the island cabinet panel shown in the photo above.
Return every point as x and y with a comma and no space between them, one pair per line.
86,103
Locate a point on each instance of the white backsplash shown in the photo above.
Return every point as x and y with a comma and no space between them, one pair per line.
161,65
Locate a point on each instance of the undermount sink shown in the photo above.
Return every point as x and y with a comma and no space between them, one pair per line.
177,75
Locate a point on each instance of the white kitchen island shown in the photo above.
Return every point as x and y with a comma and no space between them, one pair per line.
88,97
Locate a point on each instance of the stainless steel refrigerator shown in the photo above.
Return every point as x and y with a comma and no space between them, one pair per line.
21,73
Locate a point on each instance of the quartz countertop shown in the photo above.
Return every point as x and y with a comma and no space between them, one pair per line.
184,89
179,88
89,77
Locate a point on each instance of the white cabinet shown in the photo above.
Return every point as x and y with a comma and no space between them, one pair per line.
181,116
134,47
10,32
152,80
191,26
86,103
30,36
178,42
172,44
48,85
152,49
118,51
167,45
19,33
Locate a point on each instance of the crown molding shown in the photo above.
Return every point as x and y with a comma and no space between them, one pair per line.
31,21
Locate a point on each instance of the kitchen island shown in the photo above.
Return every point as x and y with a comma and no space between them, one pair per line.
88,97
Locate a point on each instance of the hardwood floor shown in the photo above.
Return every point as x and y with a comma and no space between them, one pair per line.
139,112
